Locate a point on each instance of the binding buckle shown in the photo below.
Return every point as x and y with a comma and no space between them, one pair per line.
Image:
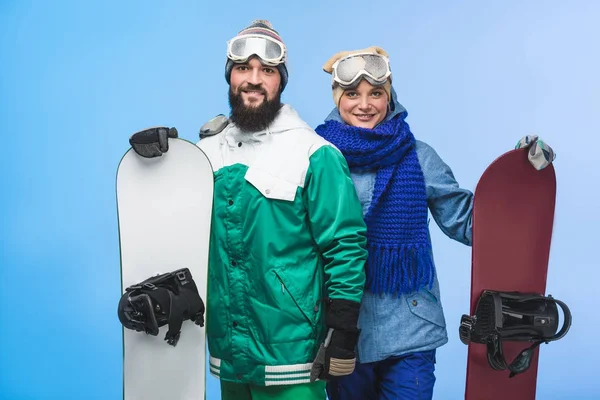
466,327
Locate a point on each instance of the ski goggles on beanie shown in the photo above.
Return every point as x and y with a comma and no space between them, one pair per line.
349,67
349,70
169,298
262,40
514,317
270,50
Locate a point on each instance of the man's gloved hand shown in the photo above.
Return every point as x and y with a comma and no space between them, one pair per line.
540,154
336,356
152,142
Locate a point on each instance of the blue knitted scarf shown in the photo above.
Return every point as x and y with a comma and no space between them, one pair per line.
397,237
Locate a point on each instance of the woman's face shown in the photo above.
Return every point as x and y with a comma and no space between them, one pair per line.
365,106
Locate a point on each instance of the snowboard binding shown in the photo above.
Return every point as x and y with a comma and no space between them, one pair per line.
513,316
169,298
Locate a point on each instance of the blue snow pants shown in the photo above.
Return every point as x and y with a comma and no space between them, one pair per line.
409,377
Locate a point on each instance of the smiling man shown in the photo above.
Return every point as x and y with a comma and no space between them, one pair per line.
288,241
255,93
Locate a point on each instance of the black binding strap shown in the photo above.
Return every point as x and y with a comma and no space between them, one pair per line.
169,298
522,361
488,326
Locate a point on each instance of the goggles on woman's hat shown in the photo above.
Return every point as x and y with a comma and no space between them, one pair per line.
375,68
270,50
349,67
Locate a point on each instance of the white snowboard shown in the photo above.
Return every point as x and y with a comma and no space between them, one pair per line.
164,209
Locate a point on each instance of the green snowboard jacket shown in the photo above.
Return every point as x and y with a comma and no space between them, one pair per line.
287,232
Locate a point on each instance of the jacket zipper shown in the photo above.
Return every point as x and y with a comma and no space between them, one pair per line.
282,285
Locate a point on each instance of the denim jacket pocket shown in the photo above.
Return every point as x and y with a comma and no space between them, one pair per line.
425,305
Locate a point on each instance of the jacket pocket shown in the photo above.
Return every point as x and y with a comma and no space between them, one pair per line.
425,305
270,186
295,297
278,312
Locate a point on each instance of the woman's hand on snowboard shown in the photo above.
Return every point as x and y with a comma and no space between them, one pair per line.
540,154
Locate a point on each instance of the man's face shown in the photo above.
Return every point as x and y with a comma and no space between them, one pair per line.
255,82
254,95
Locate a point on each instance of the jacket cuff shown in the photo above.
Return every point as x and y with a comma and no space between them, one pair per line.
342,314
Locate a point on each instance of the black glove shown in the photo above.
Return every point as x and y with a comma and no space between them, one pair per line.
152,142
336,356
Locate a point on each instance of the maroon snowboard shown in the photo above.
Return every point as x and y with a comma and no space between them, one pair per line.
513,215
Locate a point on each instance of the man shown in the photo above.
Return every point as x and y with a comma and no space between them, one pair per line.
288,242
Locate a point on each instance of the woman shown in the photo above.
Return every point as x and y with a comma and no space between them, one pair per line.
398,179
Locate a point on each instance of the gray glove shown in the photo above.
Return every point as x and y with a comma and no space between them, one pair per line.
540,154
152,142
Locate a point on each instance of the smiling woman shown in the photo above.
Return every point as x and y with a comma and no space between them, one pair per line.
398,179
361,86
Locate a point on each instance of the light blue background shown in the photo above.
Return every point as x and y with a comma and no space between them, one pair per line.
77,78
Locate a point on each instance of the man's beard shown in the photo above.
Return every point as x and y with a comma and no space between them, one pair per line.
253,119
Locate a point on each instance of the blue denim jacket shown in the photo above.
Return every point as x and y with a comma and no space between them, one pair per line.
391,325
